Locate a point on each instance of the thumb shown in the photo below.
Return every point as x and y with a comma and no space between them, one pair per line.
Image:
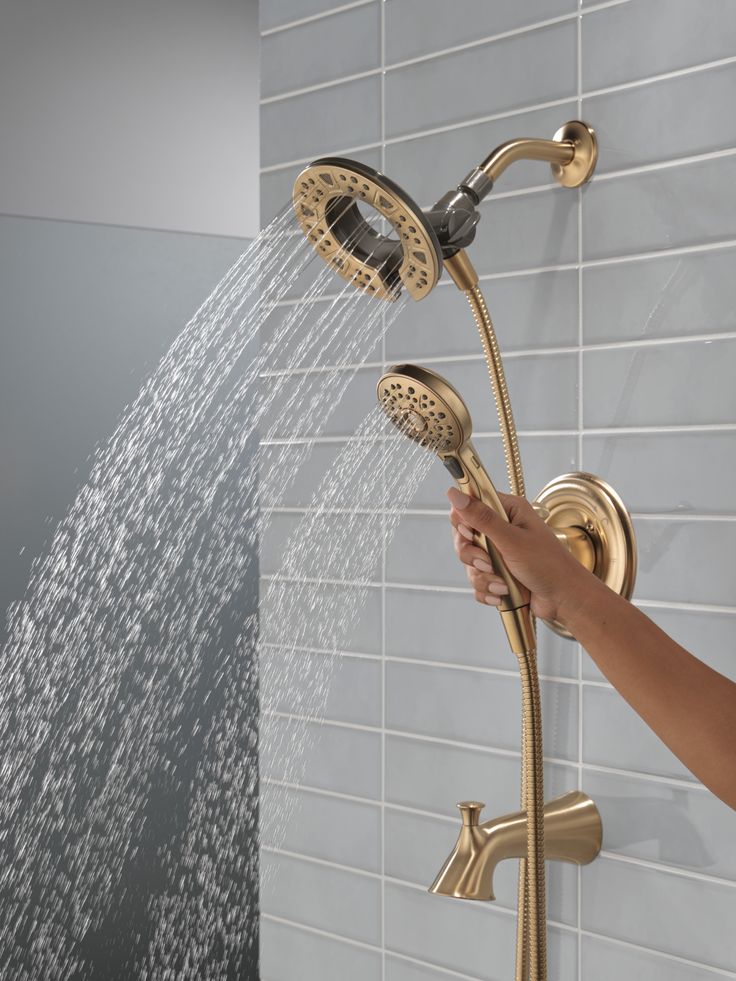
479,516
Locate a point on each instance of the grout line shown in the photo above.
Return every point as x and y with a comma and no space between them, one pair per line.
490,117
513,355
320,933
614,260
383,557
581,425
638,83
365,946
407,734
668,164
316,860
312,17
481,42
466,591
339,938
301,161
716,427
664,869
307,89
430,511
659,867
381,877
720,972
357,655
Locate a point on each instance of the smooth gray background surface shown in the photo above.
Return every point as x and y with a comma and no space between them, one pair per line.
131,112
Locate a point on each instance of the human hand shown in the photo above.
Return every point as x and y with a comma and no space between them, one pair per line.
531,551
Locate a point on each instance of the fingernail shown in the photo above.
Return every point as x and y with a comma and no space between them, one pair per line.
498,588
482,566
458,499
493,600
466,533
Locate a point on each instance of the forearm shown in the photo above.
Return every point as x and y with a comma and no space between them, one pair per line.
691,707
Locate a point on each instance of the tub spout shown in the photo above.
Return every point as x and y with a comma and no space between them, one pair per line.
572,833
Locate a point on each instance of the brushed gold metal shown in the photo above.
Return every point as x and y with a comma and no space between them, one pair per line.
320,190
572,154
586,504
461,270
531,921
580,168
555,152
427,409
405,392
572,833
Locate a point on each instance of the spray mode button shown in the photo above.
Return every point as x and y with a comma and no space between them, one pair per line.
454,466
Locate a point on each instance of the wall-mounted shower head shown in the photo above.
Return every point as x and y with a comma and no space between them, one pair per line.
329,193
327,199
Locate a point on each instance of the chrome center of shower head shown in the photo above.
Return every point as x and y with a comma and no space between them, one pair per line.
425,407
326,202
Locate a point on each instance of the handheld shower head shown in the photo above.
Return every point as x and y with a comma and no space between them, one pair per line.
427,409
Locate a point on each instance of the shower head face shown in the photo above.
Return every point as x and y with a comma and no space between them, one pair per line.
425,407
328,196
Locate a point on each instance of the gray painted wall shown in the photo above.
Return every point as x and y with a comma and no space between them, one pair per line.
617,309
141,112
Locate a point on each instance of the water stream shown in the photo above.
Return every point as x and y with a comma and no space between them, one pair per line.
127,703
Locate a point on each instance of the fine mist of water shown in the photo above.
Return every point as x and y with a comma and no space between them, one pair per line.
331,560
128,694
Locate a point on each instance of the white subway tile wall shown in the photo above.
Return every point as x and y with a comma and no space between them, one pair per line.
616,308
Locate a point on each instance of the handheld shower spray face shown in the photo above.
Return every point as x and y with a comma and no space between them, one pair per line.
427,409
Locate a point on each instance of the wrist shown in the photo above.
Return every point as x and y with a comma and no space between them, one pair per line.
581,592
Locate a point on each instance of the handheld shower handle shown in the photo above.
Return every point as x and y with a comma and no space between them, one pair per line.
475,481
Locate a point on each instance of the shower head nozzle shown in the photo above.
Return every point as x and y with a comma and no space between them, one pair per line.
425,407
327,199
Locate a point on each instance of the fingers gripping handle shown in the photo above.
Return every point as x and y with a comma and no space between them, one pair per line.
473,479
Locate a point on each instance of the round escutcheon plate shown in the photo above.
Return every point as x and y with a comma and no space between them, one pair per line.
582,500
581,167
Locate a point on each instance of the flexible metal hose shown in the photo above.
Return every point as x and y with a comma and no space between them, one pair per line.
531,938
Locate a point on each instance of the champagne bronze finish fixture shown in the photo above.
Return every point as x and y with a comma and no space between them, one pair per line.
588,516
326,202
572,833
592,520
584,513
429,410
328,193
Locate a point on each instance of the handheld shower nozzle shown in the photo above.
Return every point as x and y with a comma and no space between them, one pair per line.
427,409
